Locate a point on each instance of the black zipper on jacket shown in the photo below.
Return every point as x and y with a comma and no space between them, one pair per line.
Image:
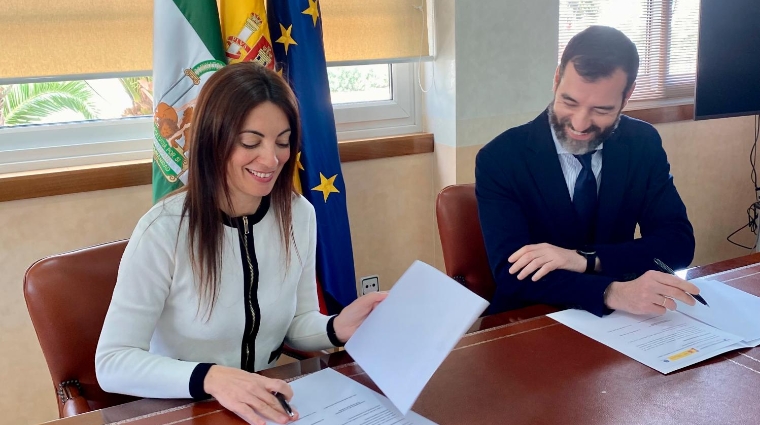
250,284
250,297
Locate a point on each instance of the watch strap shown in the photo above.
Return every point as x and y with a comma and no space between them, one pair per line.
590,257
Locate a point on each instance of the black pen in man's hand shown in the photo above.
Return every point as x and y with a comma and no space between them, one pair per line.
667,269
284,404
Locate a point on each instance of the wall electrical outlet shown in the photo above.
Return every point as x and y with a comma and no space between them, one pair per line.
369,284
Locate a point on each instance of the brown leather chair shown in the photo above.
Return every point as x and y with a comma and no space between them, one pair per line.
464,251
68,296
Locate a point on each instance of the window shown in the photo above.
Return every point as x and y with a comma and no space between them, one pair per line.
50,102
388,109
58,124
53,124
363,83
665,34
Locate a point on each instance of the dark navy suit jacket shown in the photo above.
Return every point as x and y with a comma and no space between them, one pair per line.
523,199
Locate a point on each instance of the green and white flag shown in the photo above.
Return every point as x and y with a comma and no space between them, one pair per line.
187,50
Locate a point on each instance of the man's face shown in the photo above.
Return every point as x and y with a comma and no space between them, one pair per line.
584,114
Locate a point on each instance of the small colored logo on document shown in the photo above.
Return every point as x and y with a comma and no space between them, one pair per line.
682,354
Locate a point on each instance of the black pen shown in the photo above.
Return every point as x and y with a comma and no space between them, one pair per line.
667,269
284,404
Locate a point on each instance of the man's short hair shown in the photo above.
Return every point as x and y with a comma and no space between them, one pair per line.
598,51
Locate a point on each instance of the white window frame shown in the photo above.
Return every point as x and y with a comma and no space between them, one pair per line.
50,146
399,115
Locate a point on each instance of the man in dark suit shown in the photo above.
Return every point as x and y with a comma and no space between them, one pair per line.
559,198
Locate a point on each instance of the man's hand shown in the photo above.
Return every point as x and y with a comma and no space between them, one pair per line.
652,293
543,258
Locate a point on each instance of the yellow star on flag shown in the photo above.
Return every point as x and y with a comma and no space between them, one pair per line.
286,38
326,186
313,10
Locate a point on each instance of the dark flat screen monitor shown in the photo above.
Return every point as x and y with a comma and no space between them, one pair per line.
728,59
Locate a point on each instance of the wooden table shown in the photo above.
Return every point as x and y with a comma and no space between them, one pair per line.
515,368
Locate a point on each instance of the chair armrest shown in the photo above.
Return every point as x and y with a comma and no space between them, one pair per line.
70,395
302,355
75,406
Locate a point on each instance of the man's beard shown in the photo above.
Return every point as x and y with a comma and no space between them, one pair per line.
579,147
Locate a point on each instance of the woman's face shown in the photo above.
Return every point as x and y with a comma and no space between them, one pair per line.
261,150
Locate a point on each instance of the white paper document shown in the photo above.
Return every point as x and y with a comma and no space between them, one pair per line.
678,338
329,398
407,336
664,343
731,309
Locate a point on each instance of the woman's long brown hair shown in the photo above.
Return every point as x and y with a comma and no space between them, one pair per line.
223,105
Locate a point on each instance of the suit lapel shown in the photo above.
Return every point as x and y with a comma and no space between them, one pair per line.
543,164
615,163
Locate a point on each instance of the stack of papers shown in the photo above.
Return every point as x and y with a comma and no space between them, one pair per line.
329,398
678,338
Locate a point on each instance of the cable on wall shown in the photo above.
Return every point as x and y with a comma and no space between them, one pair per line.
753,212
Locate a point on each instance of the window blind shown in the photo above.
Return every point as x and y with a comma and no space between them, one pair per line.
375,31
40,38
664,31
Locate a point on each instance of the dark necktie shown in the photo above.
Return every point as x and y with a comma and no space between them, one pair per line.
584,196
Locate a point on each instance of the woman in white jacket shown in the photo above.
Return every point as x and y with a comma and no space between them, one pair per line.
219,275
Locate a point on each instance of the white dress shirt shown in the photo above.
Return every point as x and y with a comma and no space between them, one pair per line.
571,166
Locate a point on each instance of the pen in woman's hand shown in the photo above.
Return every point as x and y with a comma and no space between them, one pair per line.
284,404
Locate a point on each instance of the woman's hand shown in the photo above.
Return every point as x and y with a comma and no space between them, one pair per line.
248,395
354,314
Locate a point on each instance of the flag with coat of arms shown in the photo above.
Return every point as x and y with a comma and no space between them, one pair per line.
181,68
246,32
187,50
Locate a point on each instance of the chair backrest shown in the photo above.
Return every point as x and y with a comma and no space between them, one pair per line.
464,252
68,296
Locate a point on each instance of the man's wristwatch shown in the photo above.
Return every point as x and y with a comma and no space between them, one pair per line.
590,256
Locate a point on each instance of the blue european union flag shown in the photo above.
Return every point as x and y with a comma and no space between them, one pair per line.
296,29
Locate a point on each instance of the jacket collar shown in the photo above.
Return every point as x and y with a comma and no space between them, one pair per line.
546,171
